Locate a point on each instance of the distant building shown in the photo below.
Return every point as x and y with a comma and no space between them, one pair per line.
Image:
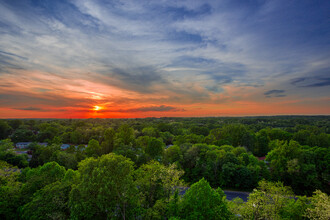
23,145
65,146
263,159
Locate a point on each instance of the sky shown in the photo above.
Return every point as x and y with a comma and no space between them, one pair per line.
189,58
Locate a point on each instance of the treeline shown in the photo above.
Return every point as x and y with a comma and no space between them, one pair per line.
223,151
110,187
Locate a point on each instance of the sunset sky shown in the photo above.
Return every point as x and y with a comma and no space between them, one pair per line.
124,59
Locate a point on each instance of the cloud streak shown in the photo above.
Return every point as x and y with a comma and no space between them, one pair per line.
275,93
80,53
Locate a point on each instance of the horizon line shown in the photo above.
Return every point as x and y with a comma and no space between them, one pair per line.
234,116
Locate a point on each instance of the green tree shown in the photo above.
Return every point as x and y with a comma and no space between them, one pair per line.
125,135
295,166
10,191
320,206
23,133
5,129
173,154
108,143
6,145
156,182
68,160
155,148
39,177
42,154
233,134
76,137
14,159
150,131
93,149
202,202
262,140
15,123
167,137
105,189
51,202
267,202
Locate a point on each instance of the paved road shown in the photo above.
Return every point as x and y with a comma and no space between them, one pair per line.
229,194
233,194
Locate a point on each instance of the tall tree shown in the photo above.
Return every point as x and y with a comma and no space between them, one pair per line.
5,129
320,206
107,145
202,202
267,202
51,202
93,149
155,148
156,181
105,189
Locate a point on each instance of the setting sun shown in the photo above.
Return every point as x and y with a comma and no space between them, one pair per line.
96,108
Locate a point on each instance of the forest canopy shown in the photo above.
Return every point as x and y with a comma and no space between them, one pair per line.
165,168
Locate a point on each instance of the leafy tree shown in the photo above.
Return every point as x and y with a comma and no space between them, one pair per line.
42,154
127,151
158,211
320,206
7,154
237,151
22,134
51,202
47,133
279,134
10,197
295,208
262,140
173,205
6,145
199,130
5,129
125,135
167,137
105,189
202,202
294,166
156,181
188,138
68,160
267,202
142,142
14,159
107,145
93,149
234,134
155,148
76,137
39,177
150,131
173,154
15,123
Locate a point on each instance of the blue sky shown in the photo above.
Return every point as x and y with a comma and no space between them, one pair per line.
187,58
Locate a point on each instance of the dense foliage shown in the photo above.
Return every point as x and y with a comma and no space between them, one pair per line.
142,168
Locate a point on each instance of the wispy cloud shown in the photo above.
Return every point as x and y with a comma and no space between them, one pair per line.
35,109
275,93
311,81
81,53
161,108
